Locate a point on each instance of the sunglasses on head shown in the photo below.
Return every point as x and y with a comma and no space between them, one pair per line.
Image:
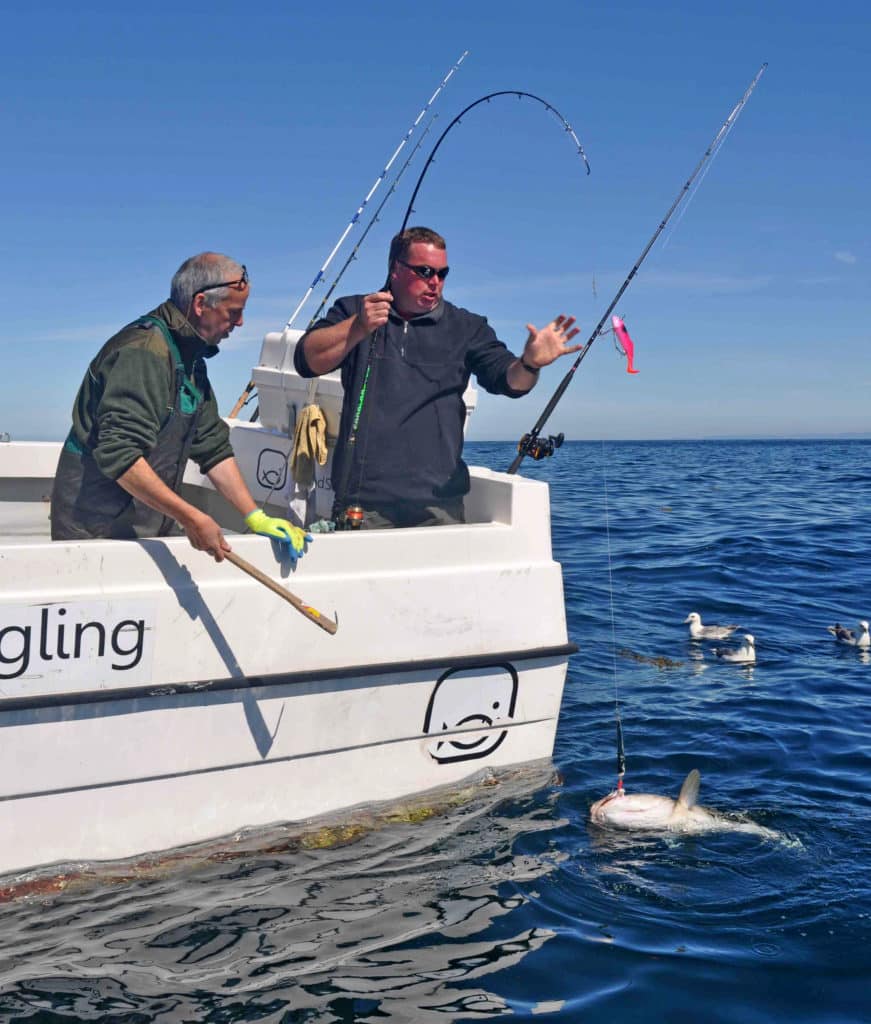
239,283
425,271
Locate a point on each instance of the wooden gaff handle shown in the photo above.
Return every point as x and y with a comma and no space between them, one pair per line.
241,400
304,609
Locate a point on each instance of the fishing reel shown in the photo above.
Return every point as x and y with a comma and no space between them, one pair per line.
539,448
351,518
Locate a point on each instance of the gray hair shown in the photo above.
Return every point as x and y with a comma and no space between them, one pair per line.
198,272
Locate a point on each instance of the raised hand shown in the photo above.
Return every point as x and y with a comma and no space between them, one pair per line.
545,346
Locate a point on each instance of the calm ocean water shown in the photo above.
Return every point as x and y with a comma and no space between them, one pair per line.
510,903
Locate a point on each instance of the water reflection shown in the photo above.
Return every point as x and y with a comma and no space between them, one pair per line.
397,912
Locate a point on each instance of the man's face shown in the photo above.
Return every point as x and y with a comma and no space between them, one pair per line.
214,323
412,294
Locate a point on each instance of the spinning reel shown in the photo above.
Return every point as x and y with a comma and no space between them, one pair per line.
540,448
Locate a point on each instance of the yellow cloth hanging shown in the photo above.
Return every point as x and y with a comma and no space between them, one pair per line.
309,445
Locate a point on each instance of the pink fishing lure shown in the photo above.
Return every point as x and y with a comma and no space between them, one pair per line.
624,342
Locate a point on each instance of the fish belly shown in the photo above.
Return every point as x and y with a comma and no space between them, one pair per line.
638,811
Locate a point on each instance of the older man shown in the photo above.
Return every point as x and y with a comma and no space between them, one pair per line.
144,408
406,357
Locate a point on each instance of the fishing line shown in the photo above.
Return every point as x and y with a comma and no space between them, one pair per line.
621,758
692,194
529,443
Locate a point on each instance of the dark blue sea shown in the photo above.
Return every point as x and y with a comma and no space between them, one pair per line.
508,903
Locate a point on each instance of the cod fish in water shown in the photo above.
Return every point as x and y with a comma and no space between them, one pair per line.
647,812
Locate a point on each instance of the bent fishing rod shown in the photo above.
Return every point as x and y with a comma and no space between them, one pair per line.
351,517
531,443
249,387
486,99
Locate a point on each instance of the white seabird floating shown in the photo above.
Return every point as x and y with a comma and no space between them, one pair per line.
744,655
700,632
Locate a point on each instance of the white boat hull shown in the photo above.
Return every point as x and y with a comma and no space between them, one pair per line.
151,698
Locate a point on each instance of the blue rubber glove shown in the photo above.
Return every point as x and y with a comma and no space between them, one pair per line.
291,538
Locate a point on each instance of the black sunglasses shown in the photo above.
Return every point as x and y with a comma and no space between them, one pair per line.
425,271
239,283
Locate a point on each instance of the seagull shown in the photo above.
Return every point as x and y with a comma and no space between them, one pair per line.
700,632
847,636
742,656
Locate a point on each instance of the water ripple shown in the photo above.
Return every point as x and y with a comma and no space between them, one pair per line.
511,902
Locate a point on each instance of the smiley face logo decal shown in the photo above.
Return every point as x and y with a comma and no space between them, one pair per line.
464,699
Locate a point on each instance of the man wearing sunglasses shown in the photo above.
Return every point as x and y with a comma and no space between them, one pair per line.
410,354
144,408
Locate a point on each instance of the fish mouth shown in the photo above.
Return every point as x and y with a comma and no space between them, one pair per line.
597,811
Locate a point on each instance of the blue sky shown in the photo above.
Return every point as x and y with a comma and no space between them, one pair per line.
135,135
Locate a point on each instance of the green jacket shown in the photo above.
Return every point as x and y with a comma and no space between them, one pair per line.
126,393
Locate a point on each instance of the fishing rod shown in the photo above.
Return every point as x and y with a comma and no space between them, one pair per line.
356,519
486,99
352,516
531,443
353,254
372,190
243,398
